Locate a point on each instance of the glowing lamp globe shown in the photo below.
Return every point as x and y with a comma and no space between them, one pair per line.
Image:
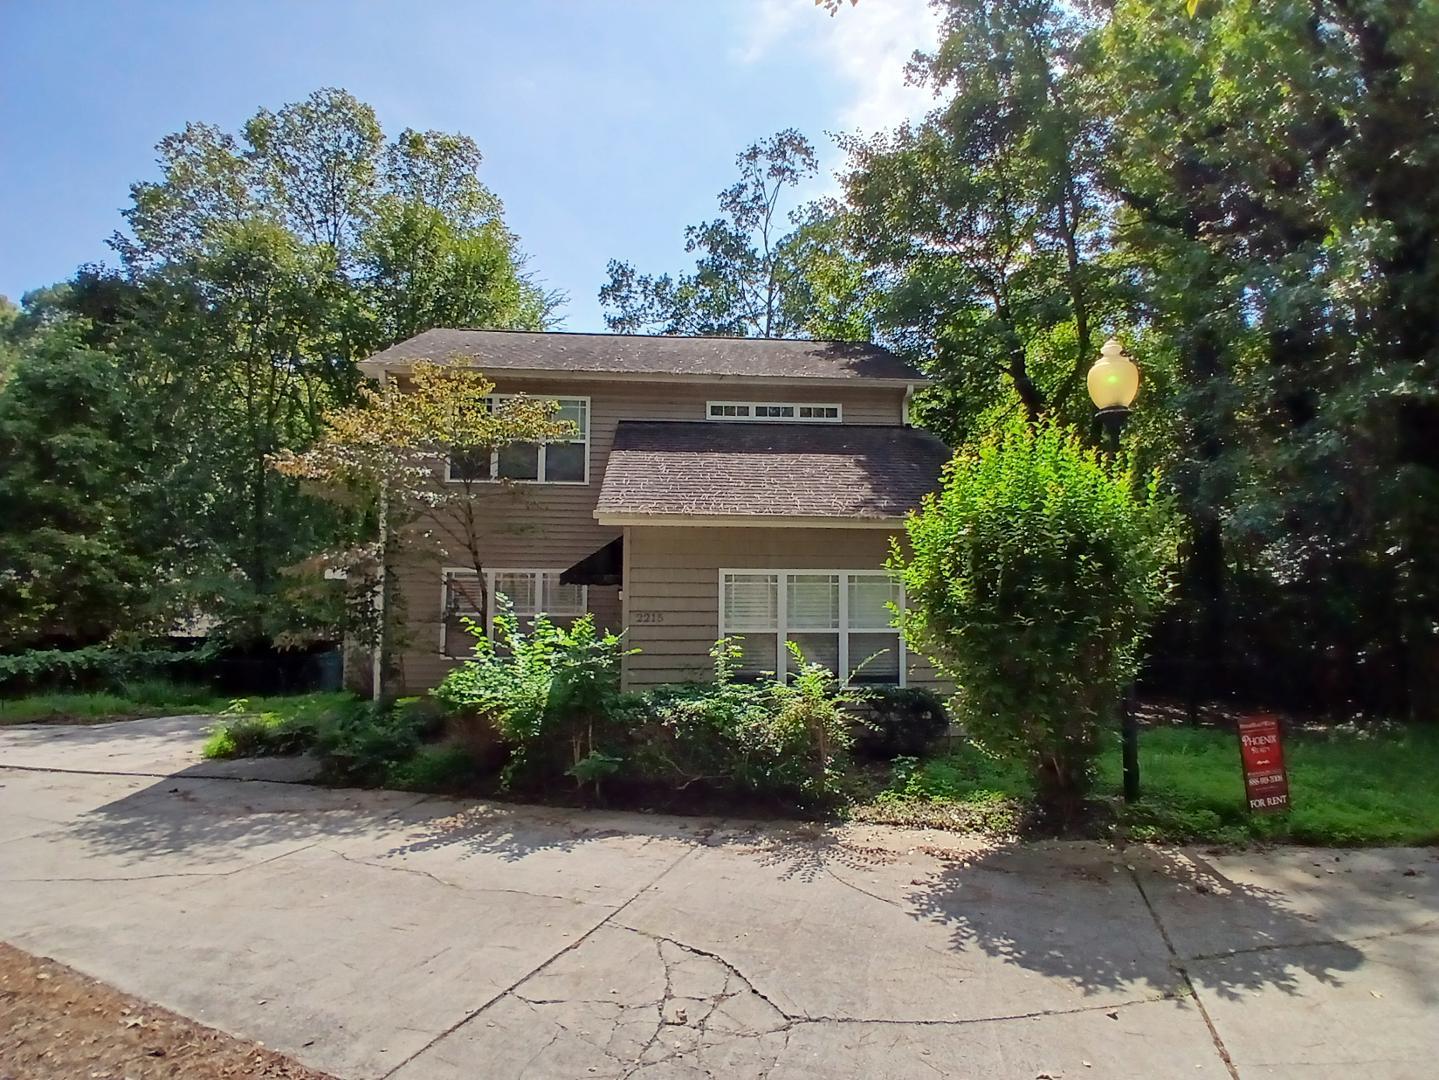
1113,380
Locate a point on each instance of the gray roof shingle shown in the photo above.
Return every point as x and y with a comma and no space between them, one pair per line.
759,470
634,354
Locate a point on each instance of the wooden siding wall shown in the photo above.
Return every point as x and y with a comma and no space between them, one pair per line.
672,592
552,526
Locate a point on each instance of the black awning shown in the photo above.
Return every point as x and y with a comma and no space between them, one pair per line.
603,567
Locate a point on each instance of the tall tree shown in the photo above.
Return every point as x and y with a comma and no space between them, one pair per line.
386,455
255,270
77,565
985,218
759,272
1275,165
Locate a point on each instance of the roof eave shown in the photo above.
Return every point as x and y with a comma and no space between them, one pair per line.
374,367
750,521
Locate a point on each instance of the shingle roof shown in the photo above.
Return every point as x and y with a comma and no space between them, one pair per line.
722,469
634,354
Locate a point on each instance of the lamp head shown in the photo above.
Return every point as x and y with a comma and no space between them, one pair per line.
1113,380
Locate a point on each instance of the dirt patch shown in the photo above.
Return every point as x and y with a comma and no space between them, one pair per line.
56,1024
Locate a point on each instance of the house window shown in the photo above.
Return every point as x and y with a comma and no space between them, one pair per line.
530,592
838,618
775,410
560,461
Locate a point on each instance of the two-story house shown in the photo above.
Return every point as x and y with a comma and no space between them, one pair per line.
715,486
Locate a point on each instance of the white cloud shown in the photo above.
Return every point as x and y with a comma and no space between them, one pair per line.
865,45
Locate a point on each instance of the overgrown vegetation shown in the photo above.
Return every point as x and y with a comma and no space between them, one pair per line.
126,701
1031,580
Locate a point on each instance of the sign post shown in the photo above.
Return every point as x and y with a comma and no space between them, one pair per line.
1266,782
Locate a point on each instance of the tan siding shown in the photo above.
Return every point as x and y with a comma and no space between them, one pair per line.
552,526
674,574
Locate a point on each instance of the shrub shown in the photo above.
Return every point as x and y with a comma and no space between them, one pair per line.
764,737
363,745
93,665
291,726
898,721
1033,576
549,693
446,769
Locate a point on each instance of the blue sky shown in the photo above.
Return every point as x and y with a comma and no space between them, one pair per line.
606,126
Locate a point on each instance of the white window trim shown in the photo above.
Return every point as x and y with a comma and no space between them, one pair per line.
450,478
837,418
844,630
490,573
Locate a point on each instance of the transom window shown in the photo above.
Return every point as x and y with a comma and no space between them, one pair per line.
530,592
559,461
775,410
839,618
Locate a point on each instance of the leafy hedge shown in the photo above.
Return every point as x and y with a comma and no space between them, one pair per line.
92,665
552,697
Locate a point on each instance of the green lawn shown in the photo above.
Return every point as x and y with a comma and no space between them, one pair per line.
1346,789
143,698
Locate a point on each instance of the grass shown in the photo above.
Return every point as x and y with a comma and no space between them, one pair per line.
150,697
1346,788
274,726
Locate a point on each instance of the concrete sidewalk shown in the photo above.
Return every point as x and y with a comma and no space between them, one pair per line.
375,934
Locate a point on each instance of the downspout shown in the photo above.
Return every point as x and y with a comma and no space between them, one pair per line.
904,406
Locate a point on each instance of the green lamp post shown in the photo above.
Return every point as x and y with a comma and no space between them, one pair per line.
1113,386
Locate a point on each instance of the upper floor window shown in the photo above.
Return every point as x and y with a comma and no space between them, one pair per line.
563,461
775,410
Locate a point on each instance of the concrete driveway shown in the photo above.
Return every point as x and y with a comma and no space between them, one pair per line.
375,934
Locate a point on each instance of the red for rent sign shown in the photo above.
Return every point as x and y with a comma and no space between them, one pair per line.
1266,783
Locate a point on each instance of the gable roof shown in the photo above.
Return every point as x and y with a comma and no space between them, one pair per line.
637,355
862,473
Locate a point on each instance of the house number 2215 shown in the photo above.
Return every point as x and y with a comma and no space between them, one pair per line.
642,617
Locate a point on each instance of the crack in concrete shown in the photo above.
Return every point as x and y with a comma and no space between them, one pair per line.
143,775
1178,964
1379,935
456,885
537,969
159,877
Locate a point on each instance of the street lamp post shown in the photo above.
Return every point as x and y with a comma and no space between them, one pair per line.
1113,385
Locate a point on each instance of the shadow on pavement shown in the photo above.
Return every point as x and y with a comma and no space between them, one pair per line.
1085,913
1082,912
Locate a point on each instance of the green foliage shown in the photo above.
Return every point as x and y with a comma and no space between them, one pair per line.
276,727
898,721
439,768
1032,578
758,737
141,405
127,701
752,279
550,691
76,563
93,665
1371,786
987,219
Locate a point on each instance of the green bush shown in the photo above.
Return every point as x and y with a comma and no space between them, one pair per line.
550,692
760,737
443,768
1033,577
363,746
278,727
93,666
898,721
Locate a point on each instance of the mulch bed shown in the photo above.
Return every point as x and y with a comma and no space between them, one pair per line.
56,1024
